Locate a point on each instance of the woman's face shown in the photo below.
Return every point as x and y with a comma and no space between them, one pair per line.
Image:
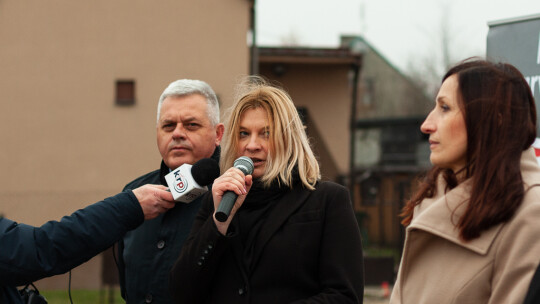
253,138
445,125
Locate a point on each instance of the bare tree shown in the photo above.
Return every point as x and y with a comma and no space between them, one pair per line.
291,39
427,70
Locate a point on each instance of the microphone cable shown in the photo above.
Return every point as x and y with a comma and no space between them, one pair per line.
117,266
69,288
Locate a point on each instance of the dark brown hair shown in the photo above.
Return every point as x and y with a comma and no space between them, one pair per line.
500,119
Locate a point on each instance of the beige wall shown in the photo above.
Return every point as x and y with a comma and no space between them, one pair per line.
64,142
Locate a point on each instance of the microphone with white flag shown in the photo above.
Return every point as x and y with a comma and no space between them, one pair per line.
188,182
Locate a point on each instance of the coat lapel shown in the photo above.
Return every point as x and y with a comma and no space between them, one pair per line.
238,252
286,206
440,215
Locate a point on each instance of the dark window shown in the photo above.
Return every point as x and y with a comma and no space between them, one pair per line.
369,189
399,144
125,92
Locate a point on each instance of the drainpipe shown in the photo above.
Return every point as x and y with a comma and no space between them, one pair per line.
254,54
355,67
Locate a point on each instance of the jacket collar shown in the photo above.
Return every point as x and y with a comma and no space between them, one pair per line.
439,215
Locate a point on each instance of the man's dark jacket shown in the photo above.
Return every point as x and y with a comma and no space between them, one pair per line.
30,253
146,254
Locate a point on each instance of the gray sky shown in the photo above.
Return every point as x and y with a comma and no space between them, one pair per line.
404,31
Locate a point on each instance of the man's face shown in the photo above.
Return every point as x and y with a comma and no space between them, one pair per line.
184,132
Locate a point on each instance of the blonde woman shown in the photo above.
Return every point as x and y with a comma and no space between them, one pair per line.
289,237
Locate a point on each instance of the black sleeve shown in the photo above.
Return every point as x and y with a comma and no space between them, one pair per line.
30,253
191,276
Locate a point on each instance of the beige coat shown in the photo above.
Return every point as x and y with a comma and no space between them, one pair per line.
438,267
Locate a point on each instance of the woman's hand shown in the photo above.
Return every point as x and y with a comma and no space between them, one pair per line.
232,180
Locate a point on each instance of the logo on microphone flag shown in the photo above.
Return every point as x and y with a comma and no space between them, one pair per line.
181,183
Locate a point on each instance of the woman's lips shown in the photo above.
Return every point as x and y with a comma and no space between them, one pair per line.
257,161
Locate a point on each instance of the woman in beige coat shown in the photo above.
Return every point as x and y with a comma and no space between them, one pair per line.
473,227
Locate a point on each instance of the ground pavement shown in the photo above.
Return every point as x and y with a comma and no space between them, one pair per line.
377,294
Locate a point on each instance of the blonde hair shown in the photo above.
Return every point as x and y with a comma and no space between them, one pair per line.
289,146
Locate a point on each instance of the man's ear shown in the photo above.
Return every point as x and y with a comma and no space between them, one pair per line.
220,129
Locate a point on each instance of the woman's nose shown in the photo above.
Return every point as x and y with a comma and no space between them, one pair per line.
253,143
428,126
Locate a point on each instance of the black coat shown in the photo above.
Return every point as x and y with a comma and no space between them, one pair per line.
147,253
533,295
308,251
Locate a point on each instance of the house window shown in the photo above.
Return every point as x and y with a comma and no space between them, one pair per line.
125,92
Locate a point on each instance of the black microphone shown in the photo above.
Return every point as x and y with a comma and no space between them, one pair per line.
188,182
245,164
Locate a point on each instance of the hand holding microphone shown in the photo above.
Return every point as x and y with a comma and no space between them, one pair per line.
230,185
154,200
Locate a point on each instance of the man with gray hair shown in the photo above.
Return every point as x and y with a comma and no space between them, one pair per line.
188,129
